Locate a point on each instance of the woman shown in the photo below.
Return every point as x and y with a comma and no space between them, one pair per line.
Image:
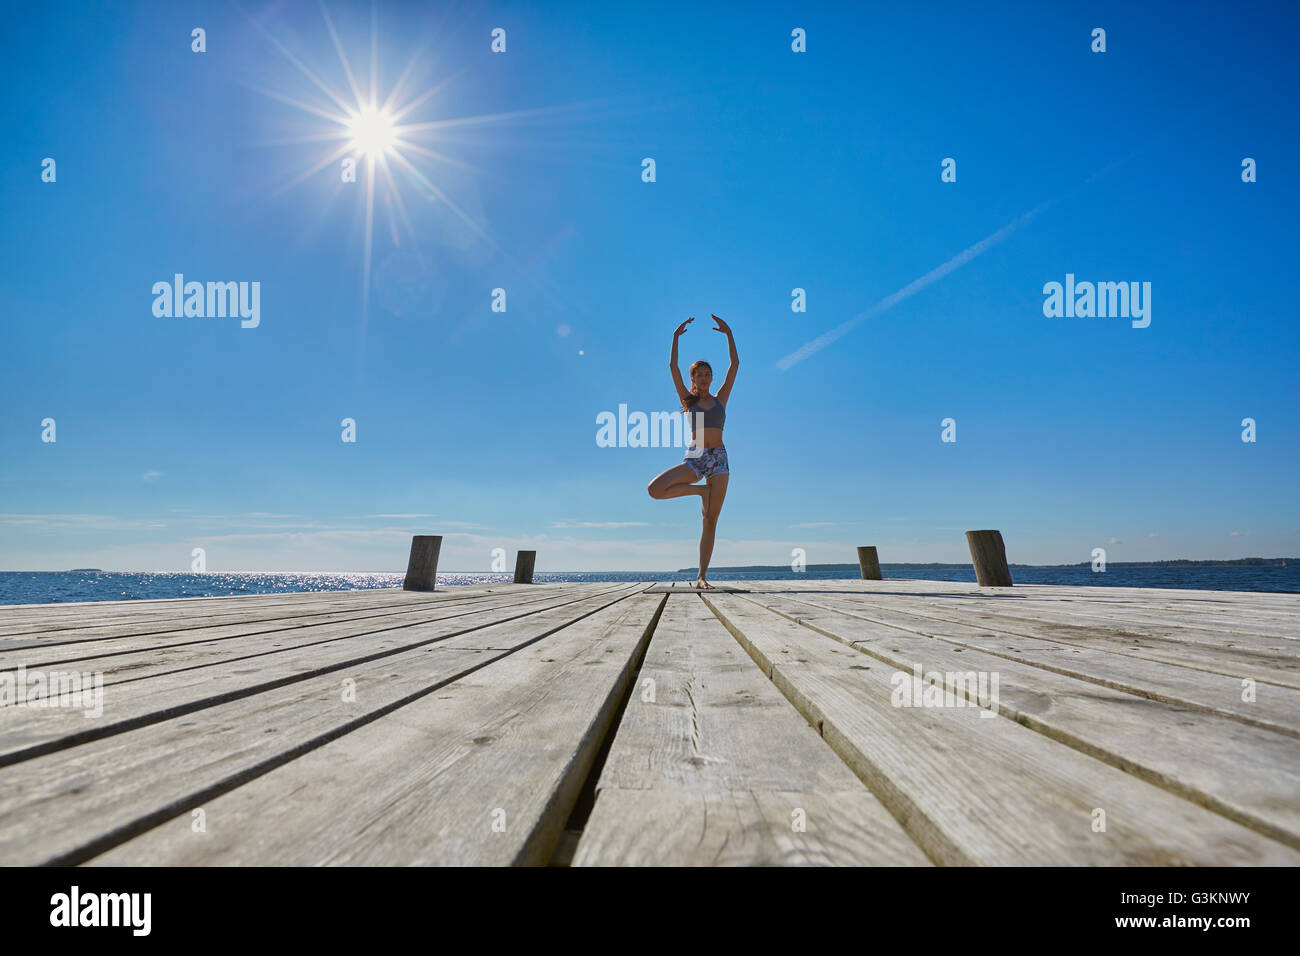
706,458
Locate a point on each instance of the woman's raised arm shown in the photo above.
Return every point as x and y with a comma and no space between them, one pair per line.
682,390
724,393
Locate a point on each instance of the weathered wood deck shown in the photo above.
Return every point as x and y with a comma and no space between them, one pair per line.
599,724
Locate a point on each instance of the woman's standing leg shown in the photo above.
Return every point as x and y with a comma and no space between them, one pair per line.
712,507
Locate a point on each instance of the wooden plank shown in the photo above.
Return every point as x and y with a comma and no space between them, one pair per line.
977,790
1201,634
26,732
1235,609
1249,775
669,587
710,764
166,607
105,619
668,826
1273,663
1264,600
70,805
1195,625
187,644
688,587
421,785
1274,708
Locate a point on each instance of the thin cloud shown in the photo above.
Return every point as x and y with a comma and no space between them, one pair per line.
79,522
399,516
931,277
600,524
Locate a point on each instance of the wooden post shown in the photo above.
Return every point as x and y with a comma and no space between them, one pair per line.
422,568
989,555
869,562
524,562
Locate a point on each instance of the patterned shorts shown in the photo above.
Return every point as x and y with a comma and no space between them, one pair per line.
712,461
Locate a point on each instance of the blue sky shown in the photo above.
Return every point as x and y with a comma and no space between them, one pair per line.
775,170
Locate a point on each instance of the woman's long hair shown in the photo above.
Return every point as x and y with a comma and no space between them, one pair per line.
694,395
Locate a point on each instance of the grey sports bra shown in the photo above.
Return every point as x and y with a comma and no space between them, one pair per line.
713,417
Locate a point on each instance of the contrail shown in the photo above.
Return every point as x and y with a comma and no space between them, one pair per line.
934,275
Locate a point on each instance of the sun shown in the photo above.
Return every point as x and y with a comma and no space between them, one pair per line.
364,122
373,132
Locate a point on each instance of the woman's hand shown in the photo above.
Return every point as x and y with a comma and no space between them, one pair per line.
722,326
682,328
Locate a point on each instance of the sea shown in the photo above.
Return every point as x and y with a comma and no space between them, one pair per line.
52,587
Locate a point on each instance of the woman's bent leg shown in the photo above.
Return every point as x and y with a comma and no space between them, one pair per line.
676,482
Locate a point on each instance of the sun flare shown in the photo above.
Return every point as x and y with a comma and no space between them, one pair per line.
368,122
373,132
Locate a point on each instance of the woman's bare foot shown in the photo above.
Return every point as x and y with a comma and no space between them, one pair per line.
704,500
703,585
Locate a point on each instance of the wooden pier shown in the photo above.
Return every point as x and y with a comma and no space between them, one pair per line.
775,722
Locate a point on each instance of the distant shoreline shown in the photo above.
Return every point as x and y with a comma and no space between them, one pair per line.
1175,563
